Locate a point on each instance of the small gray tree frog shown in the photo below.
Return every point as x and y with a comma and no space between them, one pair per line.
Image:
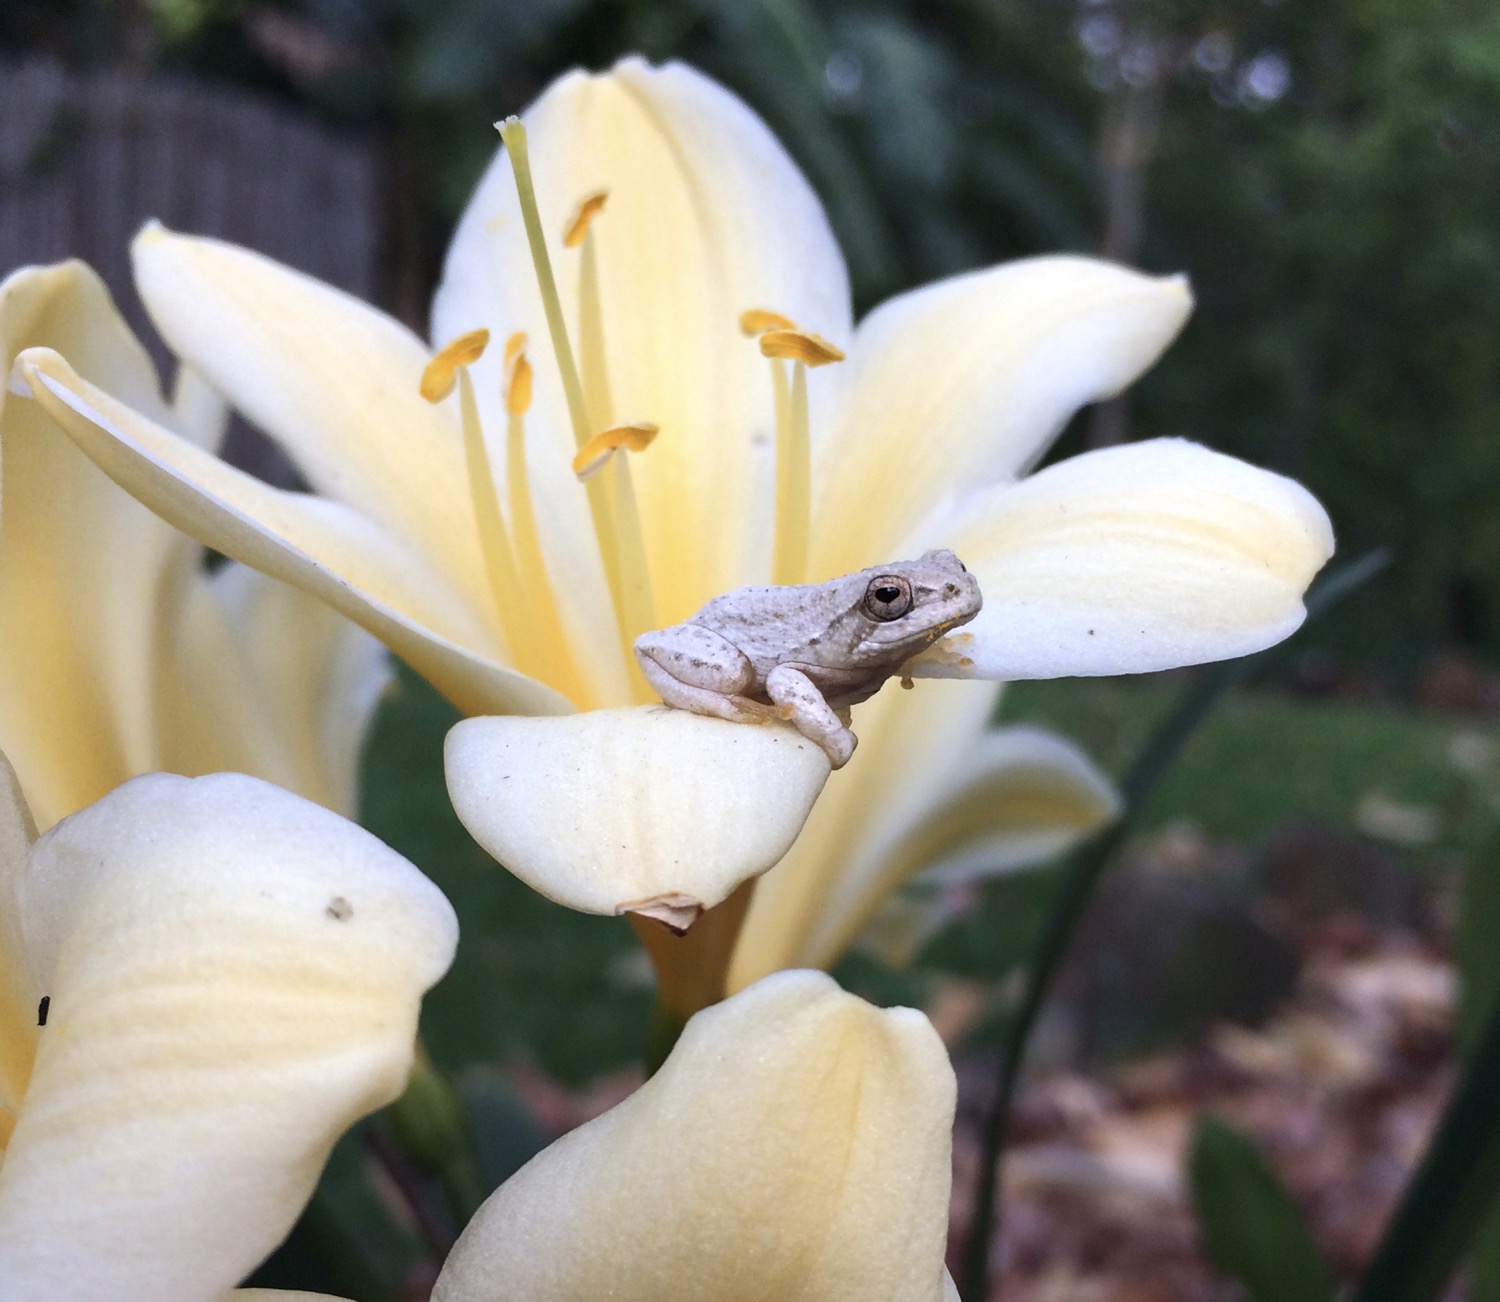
808,652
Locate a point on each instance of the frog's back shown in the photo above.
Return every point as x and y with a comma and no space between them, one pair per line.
774,624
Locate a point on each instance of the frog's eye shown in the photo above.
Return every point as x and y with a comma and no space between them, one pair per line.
888,597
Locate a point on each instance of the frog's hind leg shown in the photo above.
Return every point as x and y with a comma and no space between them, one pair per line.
693,668
814,717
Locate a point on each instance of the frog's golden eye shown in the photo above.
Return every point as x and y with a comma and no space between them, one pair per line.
888,597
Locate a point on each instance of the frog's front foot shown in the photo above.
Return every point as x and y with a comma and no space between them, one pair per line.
812,716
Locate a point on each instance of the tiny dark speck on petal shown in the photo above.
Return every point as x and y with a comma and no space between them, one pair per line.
42,1010
1091,632
339,909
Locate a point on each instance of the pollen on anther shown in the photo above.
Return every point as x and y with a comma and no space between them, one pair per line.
518,375
595,454
578,224
800,346
757,320
441,373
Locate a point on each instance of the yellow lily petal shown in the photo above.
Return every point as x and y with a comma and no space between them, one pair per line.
84,569
18,1014
911,753
1025,797
967,381
707,217
930,794
644,810
333,380
262,678
277,1295
328,550
1131,559
794,1146
234,976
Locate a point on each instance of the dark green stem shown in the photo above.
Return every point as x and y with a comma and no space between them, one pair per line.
1080,877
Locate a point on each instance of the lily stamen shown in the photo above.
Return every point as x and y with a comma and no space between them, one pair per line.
781,341
562,668
601,451
449,366
513,134
593,369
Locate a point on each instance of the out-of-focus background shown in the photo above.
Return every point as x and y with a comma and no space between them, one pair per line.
1276,939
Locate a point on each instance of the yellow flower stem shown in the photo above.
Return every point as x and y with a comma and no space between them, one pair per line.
513,134
691,969
517,620
793,475
562,669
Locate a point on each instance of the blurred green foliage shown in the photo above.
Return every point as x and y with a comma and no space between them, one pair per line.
1250,1225
1326,174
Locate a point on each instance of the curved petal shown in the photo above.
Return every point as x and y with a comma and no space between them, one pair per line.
18,1029
324,548
967,381
278,1295
235,976
1131,559
913,748
795,1146
707,217
333,380
83,566
1025,795
647,810
263,678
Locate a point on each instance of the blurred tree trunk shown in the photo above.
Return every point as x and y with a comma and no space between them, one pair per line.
1127,140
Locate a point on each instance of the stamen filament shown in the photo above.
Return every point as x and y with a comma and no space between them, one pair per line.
562,667
637,603
596,391
639,600
793,475
506,587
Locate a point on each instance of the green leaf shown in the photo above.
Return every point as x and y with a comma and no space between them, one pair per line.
1250,1225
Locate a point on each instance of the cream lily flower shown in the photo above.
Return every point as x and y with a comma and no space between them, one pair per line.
119,653
203,983
795,1145
460,534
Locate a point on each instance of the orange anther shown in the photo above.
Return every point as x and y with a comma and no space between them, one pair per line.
757,321
440,374
578,224
593,455
800,346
